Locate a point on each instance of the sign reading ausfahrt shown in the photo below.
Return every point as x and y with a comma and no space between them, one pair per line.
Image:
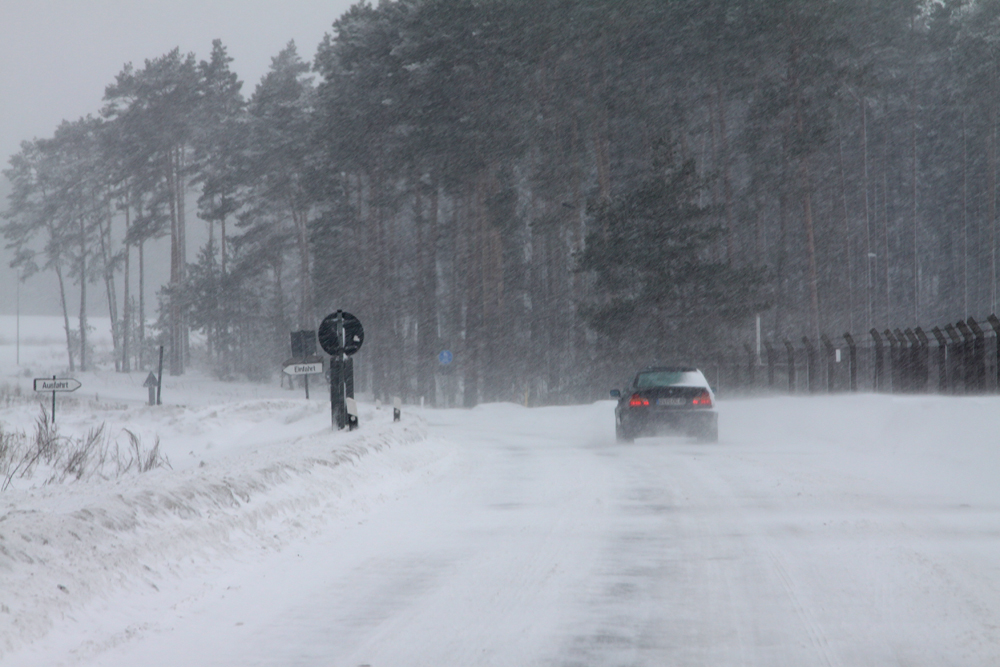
57,384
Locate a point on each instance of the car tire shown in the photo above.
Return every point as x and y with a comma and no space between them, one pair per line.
710,433
622,434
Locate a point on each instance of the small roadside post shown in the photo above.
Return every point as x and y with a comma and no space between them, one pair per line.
159,377
341,335
397,408
151,383
352,413
56,385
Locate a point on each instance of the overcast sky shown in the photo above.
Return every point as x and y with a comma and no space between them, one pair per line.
56,57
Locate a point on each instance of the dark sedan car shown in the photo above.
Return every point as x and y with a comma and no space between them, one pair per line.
667,400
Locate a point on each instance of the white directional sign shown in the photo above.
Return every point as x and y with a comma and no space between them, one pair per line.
304,369
56,384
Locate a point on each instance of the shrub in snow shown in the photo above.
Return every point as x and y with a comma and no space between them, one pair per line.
57,459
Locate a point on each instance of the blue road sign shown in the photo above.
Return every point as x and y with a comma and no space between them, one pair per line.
445,357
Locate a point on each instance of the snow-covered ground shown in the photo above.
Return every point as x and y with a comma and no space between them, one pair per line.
844,530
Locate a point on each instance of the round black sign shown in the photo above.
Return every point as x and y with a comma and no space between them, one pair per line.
354,334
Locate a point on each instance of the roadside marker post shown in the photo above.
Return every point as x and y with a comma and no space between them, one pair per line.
152,383
56,385
159,378
352,413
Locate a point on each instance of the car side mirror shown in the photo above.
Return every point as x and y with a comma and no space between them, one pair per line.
615,393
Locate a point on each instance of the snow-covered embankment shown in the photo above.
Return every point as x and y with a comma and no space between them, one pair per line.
62,546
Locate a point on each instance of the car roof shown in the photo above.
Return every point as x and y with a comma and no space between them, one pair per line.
669,369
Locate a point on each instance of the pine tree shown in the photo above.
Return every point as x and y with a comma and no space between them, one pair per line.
659,291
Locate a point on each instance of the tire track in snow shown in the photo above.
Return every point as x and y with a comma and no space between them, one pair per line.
814,630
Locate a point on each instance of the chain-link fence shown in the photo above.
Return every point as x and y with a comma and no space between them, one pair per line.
958,358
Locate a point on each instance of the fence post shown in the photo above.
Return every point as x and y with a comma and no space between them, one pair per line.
894,366
968,354
956,358
904,355
878,379
751,366
978,354
853,360
771,360
810,364
791,366
920,351
995,323
942,359
830,361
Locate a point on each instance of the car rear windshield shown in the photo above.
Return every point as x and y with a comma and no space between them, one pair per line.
651,379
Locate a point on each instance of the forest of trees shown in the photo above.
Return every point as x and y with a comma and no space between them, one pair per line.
555,190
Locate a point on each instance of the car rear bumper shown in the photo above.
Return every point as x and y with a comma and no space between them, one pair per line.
669,422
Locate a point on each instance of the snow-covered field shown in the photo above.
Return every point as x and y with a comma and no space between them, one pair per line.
845,530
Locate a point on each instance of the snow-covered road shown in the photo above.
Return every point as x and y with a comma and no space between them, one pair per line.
849,530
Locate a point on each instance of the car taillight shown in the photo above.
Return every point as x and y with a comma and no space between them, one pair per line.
704,398
637,401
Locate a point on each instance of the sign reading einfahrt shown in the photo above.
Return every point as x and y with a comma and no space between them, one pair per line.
303,368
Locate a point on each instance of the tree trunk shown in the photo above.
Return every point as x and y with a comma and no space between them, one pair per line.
847,232
473,300
83,295
916,253
222,245
806,189
141,324
109,287
185,333
426,288
885,229
965,221
126,306
65,312
727,189
992,194
307,306
176,355
868,229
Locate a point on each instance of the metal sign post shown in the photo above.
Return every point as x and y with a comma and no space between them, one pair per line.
341,335
56,385
303,354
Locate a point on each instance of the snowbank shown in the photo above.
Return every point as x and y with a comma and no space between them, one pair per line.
62,546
